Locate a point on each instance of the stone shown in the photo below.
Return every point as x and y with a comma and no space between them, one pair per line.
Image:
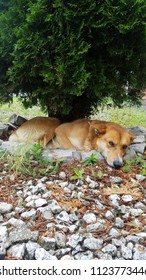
62,175
130,154
3,233
86,155
139,139
59,154
142,234
67,258
63,216
17,251
115,180
5,207
14,222
130,245
99,205
114,232
42,254
46,212
16,120
118,242
110,249
92,184
119,222
136,212
138,130
40,202
140,205
22,234
127,198
140,177
139,148
89,218
73,217
133,238
47,243
29,214
88,255
74,239
2,251
104,256
139,255
55,207
30,249
60,239
95,227
92,243
114,199
109,215
4,133
126,252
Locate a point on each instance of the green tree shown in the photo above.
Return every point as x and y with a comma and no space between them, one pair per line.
71,55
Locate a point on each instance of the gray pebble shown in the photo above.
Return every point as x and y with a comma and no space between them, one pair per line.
126,252
89,218
5,207
110,249
42,254
60,239
92,243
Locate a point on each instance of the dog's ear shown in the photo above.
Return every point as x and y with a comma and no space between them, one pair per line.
99,129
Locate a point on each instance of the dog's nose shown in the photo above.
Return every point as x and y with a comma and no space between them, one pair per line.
117,163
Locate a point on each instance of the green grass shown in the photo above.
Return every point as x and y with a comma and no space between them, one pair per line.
126,116
7,110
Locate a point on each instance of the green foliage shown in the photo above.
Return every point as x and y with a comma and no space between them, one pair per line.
28,160
136,161
20,162
35,152
92,160
52,168
127,166
70,55
78,174
99,174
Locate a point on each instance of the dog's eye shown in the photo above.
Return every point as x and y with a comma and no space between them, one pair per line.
112,144
124,147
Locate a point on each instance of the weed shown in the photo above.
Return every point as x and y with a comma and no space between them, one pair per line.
35,152
127,166
52,167
92,160
99,174
136,161
78,174
143,167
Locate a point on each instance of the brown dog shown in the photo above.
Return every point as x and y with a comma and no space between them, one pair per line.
109,138
38,129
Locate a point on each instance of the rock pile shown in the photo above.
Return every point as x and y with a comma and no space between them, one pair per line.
82,220
13,123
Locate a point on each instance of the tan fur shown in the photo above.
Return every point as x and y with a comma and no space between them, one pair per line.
38,129
110,139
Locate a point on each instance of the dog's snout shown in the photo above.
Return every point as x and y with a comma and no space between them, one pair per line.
117,163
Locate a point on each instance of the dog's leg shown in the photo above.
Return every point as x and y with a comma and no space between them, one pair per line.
64,141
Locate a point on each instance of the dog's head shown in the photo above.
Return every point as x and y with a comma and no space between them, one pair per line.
111,140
